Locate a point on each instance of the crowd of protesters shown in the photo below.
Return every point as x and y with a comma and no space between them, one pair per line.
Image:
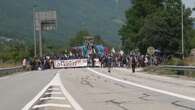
46,62
108,60
37,63
129,61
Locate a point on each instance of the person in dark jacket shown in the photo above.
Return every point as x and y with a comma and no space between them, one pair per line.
109,62
133,64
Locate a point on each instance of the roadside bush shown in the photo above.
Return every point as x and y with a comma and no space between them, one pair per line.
175,61
178,62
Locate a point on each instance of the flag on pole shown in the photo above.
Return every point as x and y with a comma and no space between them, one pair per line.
113,50
70,53
121,52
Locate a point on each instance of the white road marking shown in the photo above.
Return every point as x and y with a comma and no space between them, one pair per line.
30,104
53,89
53,98
144,87
56,81
75,105
52,105
4,77
53,93
156,76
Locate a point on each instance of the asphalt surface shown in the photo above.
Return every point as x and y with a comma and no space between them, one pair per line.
16,90
95,92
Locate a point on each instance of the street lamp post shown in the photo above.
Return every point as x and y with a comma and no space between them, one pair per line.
182,30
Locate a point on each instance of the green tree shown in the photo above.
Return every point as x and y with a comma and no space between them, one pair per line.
163,30
98,40
14,51
79,38
160,28
135,20
193,40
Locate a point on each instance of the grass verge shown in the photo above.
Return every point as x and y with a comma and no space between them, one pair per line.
169,72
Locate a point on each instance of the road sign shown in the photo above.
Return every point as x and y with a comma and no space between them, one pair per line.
151,50
45,20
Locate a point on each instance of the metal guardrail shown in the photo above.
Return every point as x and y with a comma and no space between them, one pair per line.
174,67
10,70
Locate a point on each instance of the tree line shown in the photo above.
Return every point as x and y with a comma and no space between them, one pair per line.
13,51
157,23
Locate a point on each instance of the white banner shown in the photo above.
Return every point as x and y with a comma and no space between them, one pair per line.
97,62
70,63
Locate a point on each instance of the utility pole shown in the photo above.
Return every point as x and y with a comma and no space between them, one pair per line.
40,43
182,29
35,41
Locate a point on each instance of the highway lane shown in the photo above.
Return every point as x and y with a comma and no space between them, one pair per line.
16,90
87,90
174,85
95,92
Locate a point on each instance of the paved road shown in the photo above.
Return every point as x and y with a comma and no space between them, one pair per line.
17,90
96,89
95,92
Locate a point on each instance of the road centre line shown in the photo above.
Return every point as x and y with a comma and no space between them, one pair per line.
144,87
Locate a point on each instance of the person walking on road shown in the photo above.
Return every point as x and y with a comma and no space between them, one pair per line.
109,63
24,63
133,64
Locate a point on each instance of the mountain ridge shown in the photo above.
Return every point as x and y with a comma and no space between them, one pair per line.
99,17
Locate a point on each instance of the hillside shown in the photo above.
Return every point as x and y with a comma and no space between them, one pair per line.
102,17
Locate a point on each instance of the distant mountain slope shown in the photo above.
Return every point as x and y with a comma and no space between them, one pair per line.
102,17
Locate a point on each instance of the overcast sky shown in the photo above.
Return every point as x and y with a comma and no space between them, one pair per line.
191,4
